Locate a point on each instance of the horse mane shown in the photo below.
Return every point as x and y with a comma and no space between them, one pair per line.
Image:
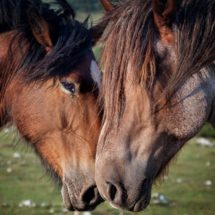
71,38
130,39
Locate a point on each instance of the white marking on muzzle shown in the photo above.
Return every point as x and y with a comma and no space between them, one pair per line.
95,72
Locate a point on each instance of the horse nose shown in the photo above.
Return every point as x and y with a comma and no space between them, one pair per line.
90,197
86,200
123,184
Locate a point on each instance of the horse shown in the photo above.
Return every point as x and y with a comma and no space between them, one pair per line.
158,90
49,82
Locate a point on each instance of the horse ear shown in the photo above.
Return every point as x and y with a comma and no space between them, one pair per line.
68,10
106,5
164,14
41,30
164,11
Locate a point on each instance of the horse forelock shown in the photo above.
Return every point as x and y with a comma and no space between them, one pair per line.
128,47
130,38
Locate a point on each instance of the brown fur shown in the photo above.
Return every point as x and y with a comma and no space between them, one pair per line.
36,95
158,91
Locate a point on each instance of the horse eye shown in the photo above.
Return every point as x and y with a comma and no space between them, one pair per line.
68,87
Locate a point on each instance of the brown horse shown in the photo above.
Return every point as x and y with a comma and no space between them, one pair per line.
48,89
158,91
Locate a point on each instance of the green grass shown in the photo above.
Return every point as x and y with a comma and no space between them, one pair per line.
27,180
207,131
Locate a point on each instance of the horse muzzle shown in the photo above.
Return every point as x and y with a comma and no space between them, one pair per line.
80,197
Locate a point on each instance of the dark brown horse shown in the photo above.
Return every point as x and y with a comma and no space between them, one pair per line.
158,91
48,89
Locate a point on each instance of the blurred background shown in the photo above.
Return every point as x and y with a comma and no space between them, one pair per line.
188,188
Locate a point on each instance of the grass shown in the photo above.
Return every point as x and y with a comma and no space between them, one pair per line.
207,131
24,179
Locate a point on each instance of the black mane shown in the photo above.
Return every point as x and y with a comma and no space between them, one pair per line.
71,38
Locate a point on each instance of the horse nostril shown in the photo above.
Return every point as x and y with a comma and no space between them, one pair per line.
88,195
116,194
111,190
91,196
